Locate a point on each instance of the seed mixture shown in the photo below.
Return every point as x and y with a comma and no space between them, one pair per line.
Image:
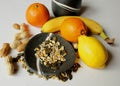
63,76
51,53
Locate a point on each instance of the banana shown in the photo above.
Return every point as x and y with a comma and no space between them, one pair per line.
94,27
53,24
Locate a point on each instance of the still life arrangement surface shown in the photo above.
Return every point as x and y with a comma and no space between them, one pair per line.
59,41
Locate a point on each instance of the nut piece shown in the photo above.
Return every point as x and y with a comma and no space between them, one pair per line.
23,27
5,50
17,36
22,35
16,26
8,59
75,45
15,44
25,34
21,47
11,66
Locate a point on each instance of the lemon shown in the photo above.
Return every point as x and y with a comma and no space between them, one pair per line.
92,52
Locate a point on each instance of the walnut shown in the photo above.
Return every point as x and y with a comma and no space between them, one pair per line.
5,50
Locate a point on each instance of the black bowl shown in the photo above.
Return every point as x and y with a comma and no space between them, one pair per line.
66,7
72,3
31,59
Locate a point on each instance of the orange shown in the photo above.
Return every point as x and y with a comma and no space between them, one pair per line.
37,14
71,28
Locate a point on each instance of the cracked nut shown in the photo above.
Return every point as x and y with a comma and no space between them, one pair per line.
23,27
5,50
21,47
15,44
11,66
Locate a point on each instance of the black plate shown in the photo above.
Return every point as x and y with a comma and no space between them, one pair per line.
31,60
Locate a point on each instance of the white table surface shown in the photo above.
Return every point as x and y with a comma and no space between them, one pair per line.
106,12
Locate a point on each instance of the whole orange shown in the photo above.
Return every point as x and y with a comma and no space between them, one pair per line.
71,28
37,14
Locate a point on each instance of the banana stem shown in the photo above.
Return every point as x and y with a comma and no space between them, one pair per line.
110,41
103,35
106,38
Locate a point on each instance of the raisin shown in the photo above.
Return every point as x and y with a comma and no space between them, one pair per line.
75,67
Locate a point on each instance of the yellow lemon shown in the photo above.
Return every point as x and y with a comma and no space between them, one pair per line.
92,52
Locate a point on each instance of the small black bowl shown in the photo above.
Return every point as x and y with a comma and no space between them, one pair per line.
31,59
66,7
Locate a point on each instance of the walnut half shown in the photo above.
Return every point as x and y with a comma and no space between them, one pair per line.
5,50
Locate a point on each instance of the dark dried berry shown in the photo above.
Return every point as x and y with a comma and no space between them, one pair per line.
69,71
15,60
69,76
63,78
75,67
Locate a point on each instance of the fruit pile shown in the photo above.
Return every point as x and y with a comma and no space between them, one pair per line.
75,29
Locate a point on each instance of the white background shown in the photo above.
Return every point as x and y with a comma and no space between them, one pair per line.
106,12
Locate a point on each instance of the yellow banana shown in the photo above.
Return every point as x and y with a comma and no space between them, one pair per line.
53,24
95,28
